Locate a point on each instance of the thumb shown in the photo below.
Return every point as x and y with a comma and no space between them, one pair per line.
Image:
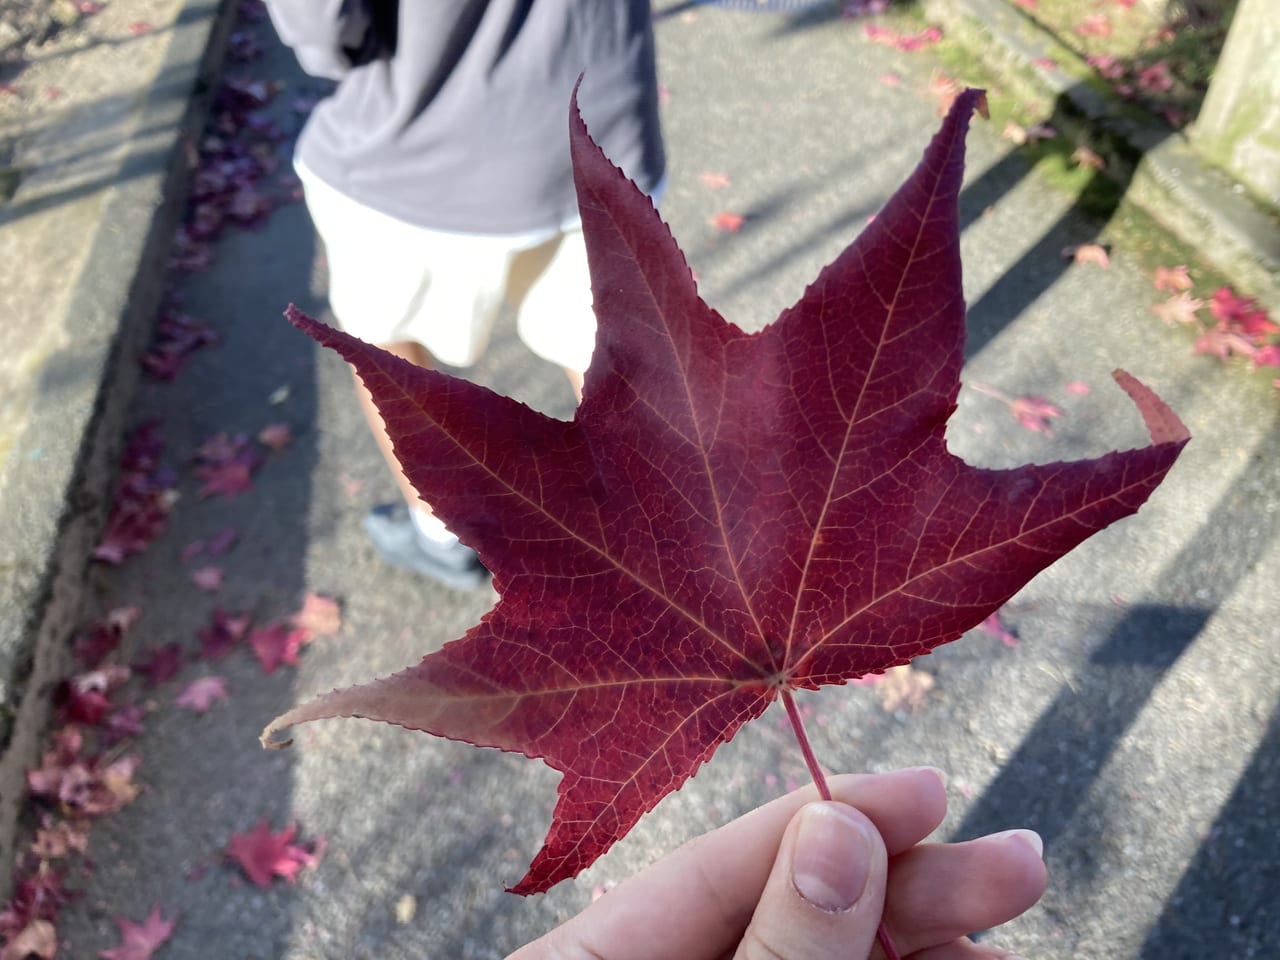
826,892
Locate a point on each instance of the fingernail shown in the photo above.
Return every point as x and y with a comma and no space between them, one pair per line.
832,858
1029,837
937,772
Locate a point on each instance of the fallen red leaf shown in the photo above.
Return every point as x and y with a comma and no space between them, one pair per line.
1241,314
714,181
729,517
226,463
226,630
1224,343
104,636
37,897
264,855
728,222
995,626
144,496
207,578
1182,308
1035,413
1088,253
201,694
1094,25
1172,278
138,941
319,616
278,643
1088,158
277,436
160,663
38,939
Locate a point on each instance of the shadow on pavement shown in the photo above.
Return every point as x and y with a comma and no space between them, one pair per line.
1046,782
1225,890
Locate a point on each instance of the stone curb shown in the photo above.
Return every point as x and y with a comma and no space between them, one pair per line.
57,474
1161,173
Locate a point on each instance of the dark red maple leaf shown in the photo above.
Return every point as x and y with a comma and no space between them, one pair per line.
160,663
278,643
144,496
226,463
226,630
729,517
103,636
264,855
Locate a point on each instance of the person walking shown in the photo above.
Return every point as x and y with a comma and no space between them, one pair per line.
438,178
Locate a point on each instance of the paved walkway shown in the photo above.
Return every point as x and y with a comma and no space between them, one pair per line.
1135,724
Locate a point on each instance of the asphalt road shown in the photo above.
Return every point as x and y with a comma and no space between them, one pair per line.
1134,725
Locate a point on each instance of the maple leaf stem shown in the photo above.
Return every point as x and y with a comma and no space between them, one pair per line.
797,725
820,781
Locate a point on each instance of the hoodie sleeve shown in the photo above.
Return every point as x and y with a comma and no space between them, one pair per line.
323,34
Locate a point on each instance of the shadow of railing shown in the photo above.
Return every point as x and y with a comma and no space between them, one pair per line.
1229,887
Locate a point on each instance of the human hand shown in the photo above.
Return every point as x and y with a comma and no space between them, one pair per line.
804,880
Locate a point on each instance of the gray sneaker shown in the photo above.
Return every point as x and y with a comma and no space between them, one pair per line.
398,541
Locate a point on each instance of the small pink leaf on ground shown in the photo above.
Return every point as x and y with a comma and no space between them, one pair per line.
207,578
1078,388
1094,25
277,436
1182,308
1034,412
37,939
1268,356
138,941
60,838
891,79
1155,78
264,855
200,694
714,181
138,28
1088,253
277,643
1172,279
728,222
319,616
1046,63
944,91
1224,343
995,626
160,663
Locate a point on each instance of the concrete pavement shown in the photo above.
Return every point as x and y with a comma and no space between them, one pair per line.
1134,726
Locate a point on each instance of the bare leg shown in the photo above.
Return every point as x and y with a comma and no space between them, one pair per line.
575,381
415,353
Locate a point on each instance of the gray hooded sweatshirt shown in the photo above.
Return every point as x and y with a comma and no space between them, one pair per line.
453,114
